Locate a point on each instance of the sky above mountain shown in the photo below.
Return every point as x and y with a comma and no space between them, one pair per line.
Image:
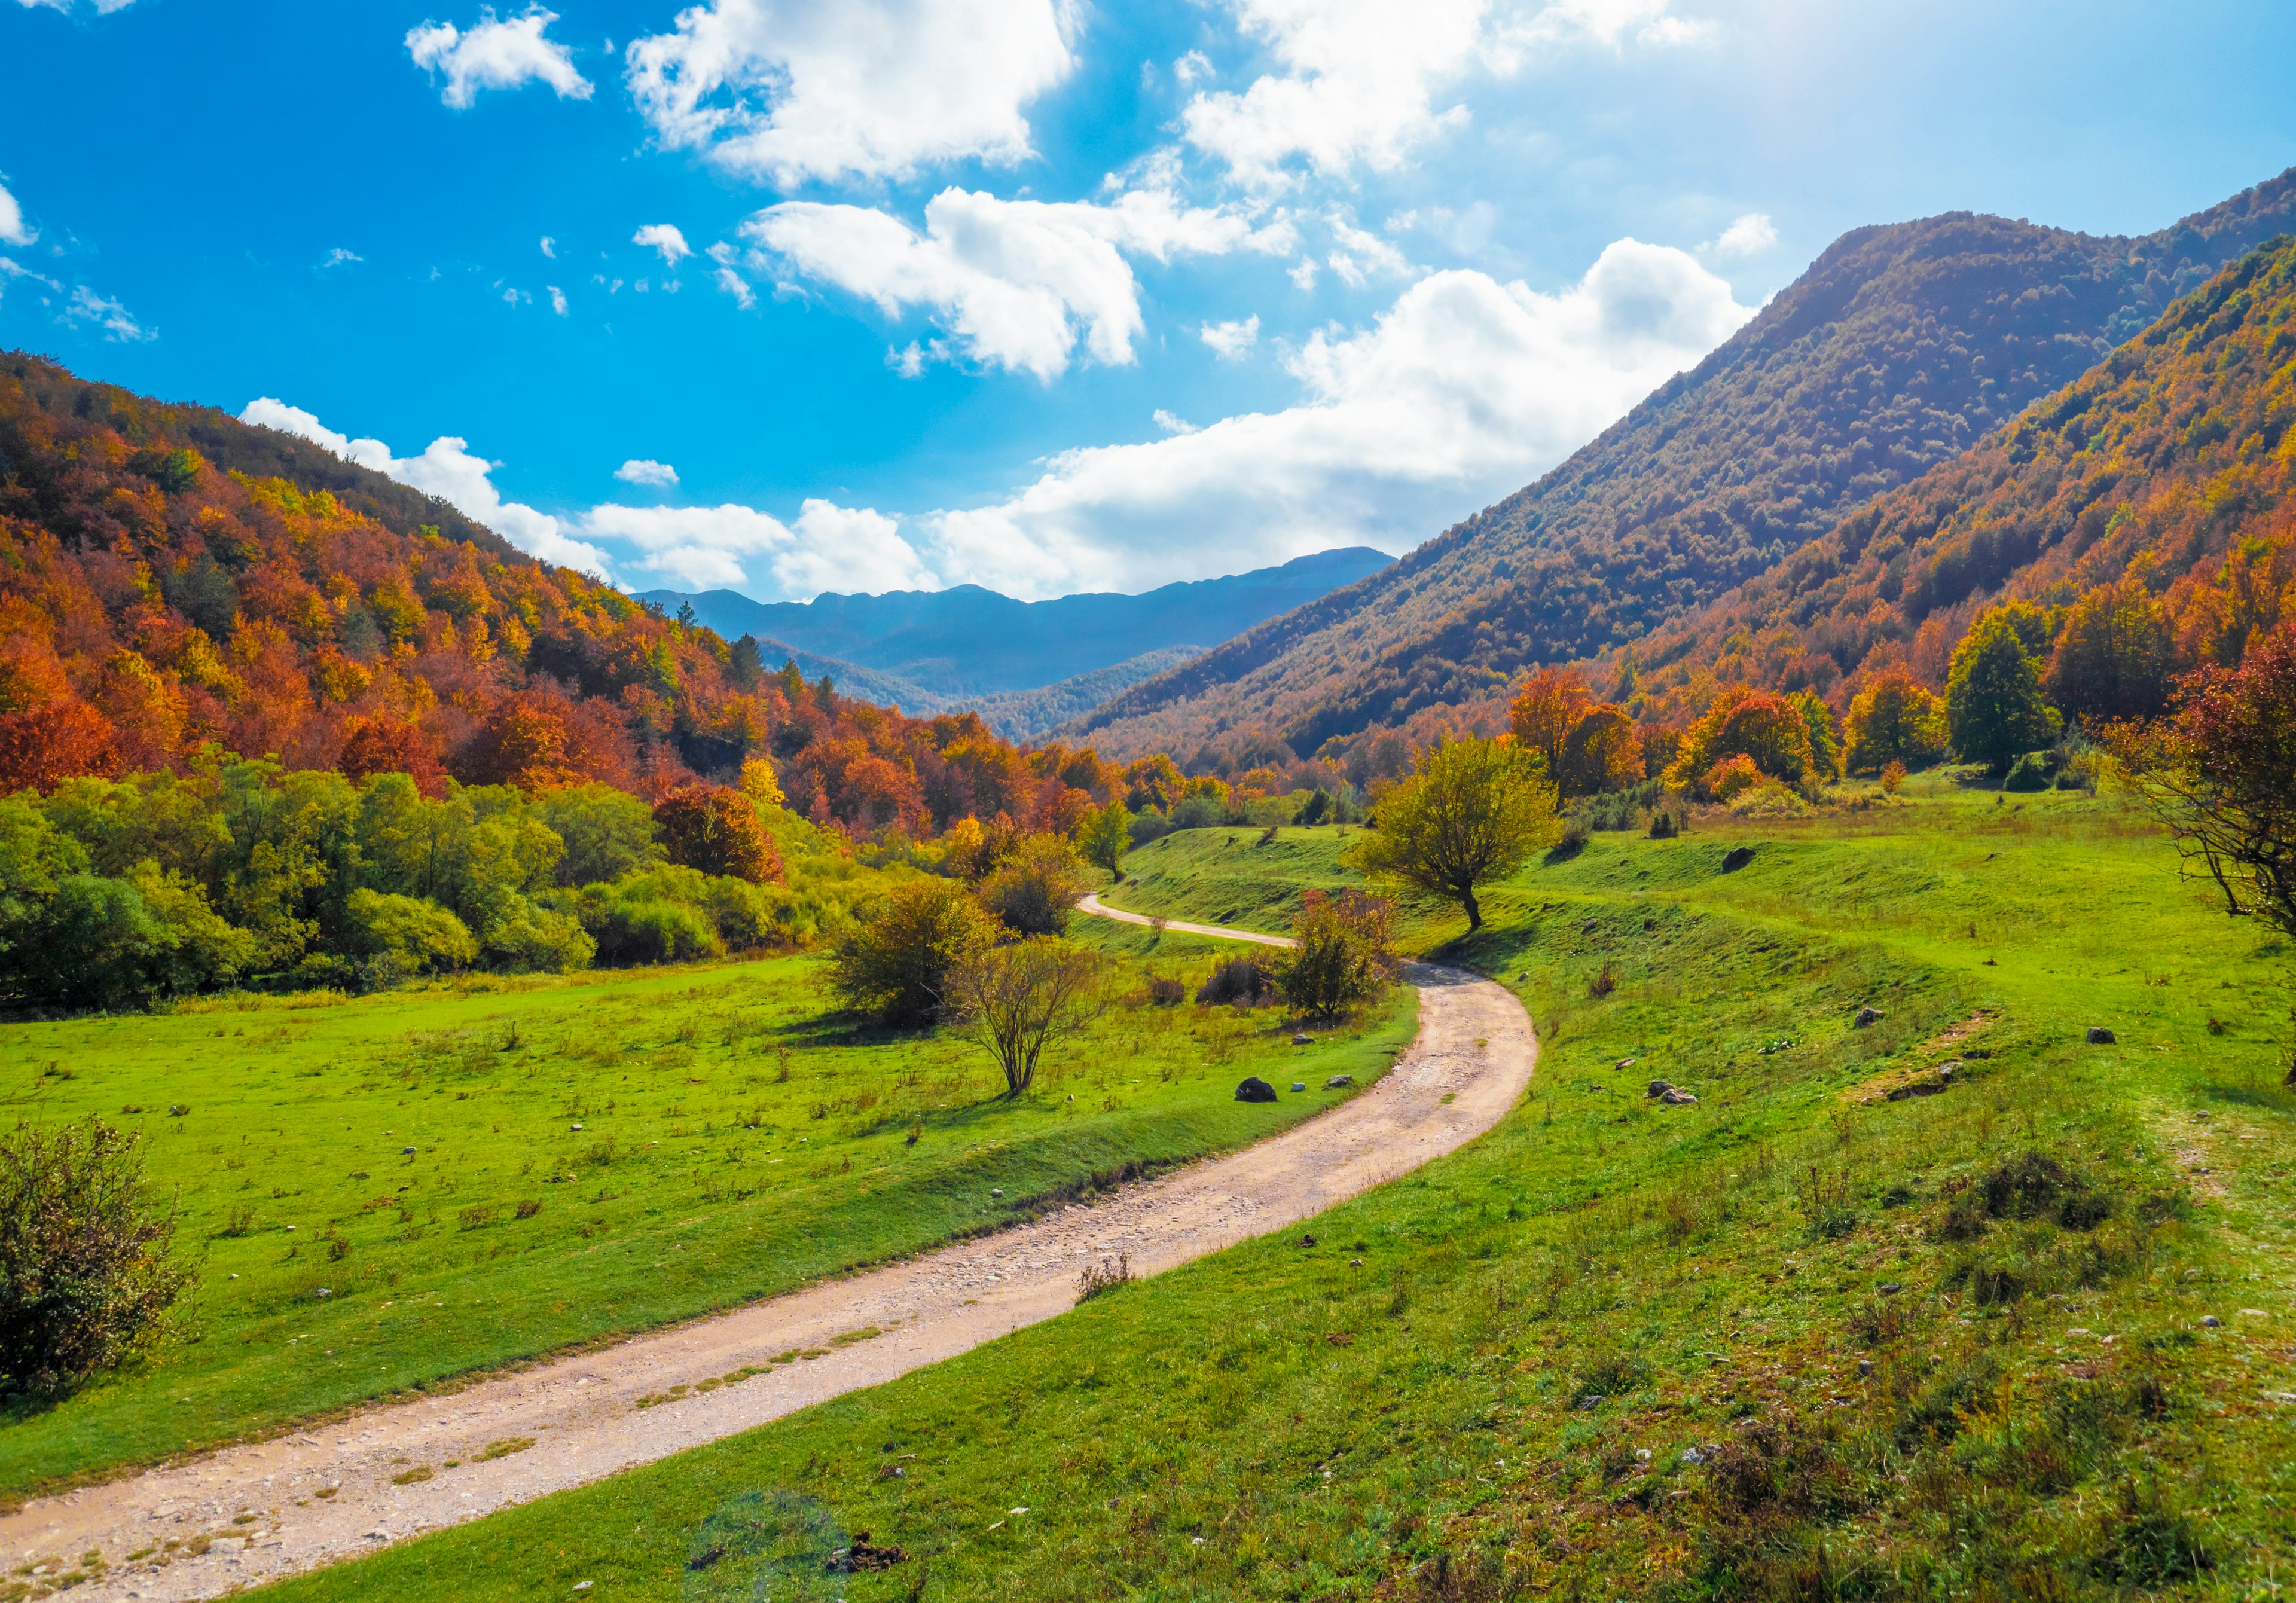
789,297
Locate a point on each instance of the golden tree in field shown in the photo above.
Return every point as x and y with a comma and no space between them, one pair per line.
1471,811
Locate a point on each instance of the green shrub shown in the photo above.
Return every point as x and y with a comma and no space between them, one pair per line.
2031,771
86,1275
1341,957
897,961
1034,891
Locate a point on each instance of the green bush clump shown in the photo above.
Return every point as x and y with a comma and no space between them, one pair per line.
896,963
2034,771
85,1274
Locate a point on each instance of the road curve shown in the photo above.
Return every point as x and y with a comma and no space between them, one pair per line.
1093,905
1469,1065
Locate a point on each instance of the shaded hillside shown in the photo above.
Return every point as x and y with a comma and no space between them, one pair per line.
970,641
154,600
1897,349
2170,460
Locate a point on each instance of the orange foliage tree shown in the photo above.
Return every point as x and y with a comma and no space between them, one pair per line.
1546,710
1603,751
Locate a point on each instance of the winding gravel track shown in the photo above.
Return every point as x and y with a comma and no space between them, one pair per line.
1468,1066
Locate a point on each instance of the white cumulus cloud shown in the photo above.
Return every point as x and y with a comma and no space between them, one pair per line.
1016,282
1464,389
14,229
796,89
665,238
1362,82
827,547
1750,235
497,53
1231,340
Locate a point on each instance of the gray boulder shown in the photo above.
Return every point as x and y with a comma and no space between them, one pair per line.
1255,1089
1866,1017
1336,1080
2098,1035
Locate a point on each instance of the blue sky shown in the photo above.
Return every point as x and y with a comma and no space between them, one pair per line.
1039,295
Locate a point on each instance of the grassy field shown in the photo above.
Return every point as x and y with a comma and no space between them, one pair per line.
1795,1339
386,1193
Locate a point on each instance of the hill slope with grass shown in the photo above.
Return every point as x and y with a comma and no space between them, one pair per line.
1899,348
1950,1301
383,1194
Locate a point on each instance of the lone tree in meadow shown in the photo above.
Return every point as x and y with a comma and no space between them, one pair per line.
86,1275
1994,710
1472,811
1016,998
2221,774
1105,835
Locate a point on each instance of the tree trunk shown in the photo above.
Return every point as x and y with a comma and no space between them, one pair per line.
1474,910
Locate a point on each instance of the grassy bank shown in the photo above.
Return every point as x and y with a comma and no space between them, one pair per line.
385,1192
1793,1339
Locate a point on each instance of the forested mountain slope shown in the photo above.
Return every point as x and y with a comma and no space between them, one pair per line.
1897,349
967,642
2164,471
157,598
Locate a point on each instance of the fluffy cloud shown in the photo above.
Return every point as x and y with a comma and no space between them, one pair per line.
1014,281
665,238
104,7
1750,235
1360,80
496,53
1231,340
796,89
828,547
14,229
1463,390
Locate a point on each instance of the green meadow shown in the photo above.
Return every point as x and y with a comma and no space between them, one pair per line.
390,1192
2026,1338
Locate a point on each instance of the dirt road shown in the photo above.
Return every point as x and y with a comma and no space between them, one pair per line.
322,1494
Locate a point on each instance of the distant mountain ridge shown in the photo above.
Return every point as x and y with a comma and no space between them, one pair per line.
1900,347
967,641
1017,716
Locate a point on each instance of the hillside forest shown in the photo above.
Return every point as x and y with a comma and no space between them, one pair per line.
256,728
1901,348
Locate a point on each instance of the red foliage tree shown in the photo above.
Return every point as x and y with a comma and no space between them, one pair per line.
43,745
715,828
385,746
